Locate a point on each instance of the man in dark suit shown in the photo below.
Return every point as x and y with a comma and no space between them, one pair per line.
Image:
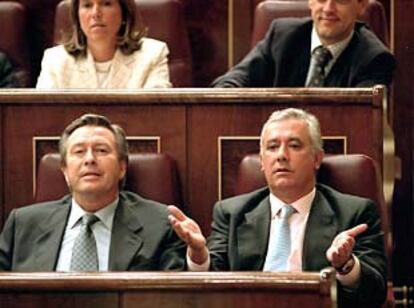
130,232
7,75
284,57
327,228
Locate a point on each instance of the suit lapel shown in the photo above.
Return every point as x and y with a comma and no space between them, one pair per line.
299,58
120,72
342,72
84,73
47,245
252,238
125,240
300,68
319,234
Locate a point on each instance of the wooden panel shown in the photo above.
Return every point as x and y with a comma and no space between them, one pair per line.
65,299
207,27
190,124
243,19
223,299
168,290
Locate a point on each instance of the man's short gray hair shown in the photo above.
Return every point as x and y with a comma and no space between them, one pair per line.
299,114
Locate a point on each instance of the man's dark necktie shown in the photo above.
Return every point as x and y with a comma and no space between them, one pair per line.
320,58
84,252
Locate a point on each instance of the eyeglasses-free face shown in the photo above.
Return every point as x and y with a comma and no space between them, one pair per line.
334,20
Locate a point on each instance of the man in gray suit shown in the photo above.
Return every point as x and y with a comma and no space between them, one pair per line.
327,228
131,233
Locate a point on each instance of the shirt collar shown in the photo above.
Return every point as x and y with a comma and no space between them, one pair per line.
335,49
302,205
105,215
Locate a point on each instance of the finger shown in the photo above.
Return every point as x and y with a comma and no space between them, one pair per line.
346,242
343,252
356,230
337,257
176,212
341,247
181,232
192,239
177,225
173,221
332,255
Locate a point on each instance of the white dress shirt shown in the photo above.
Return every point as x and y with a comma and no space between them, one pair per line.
103,73
102,231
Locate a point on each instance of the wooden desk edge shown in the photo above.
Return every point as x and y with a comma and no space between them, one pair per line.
323,280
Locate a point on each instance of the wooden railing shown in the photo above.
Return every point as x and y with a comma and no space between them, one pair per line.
168,290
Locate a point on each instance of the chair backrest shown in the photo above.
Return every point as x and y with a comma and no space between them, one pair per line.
151,175
354,174
268,10
13,39
164,20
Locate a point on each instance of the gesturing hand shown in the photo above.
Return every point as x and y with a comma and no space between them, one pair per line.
341,248
189,231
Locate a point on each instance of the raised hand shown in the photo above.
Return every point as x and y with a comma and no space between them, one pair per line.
189,231
341,248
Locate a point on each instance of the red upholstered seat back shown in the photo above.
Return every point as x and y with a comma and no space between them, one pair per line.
153,176
268,10
164,20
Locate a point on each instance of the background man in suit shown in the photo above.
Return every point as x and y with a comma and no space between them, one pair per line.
7,75
132,233
285,57
327,228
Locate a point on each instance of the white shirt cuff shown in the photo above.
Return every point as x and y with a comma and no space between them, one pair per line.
194,267
351,280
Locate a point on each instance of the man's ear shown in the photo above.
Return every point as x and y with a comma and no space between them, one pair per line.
261,162
363,5
64,171
318,159
123,168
